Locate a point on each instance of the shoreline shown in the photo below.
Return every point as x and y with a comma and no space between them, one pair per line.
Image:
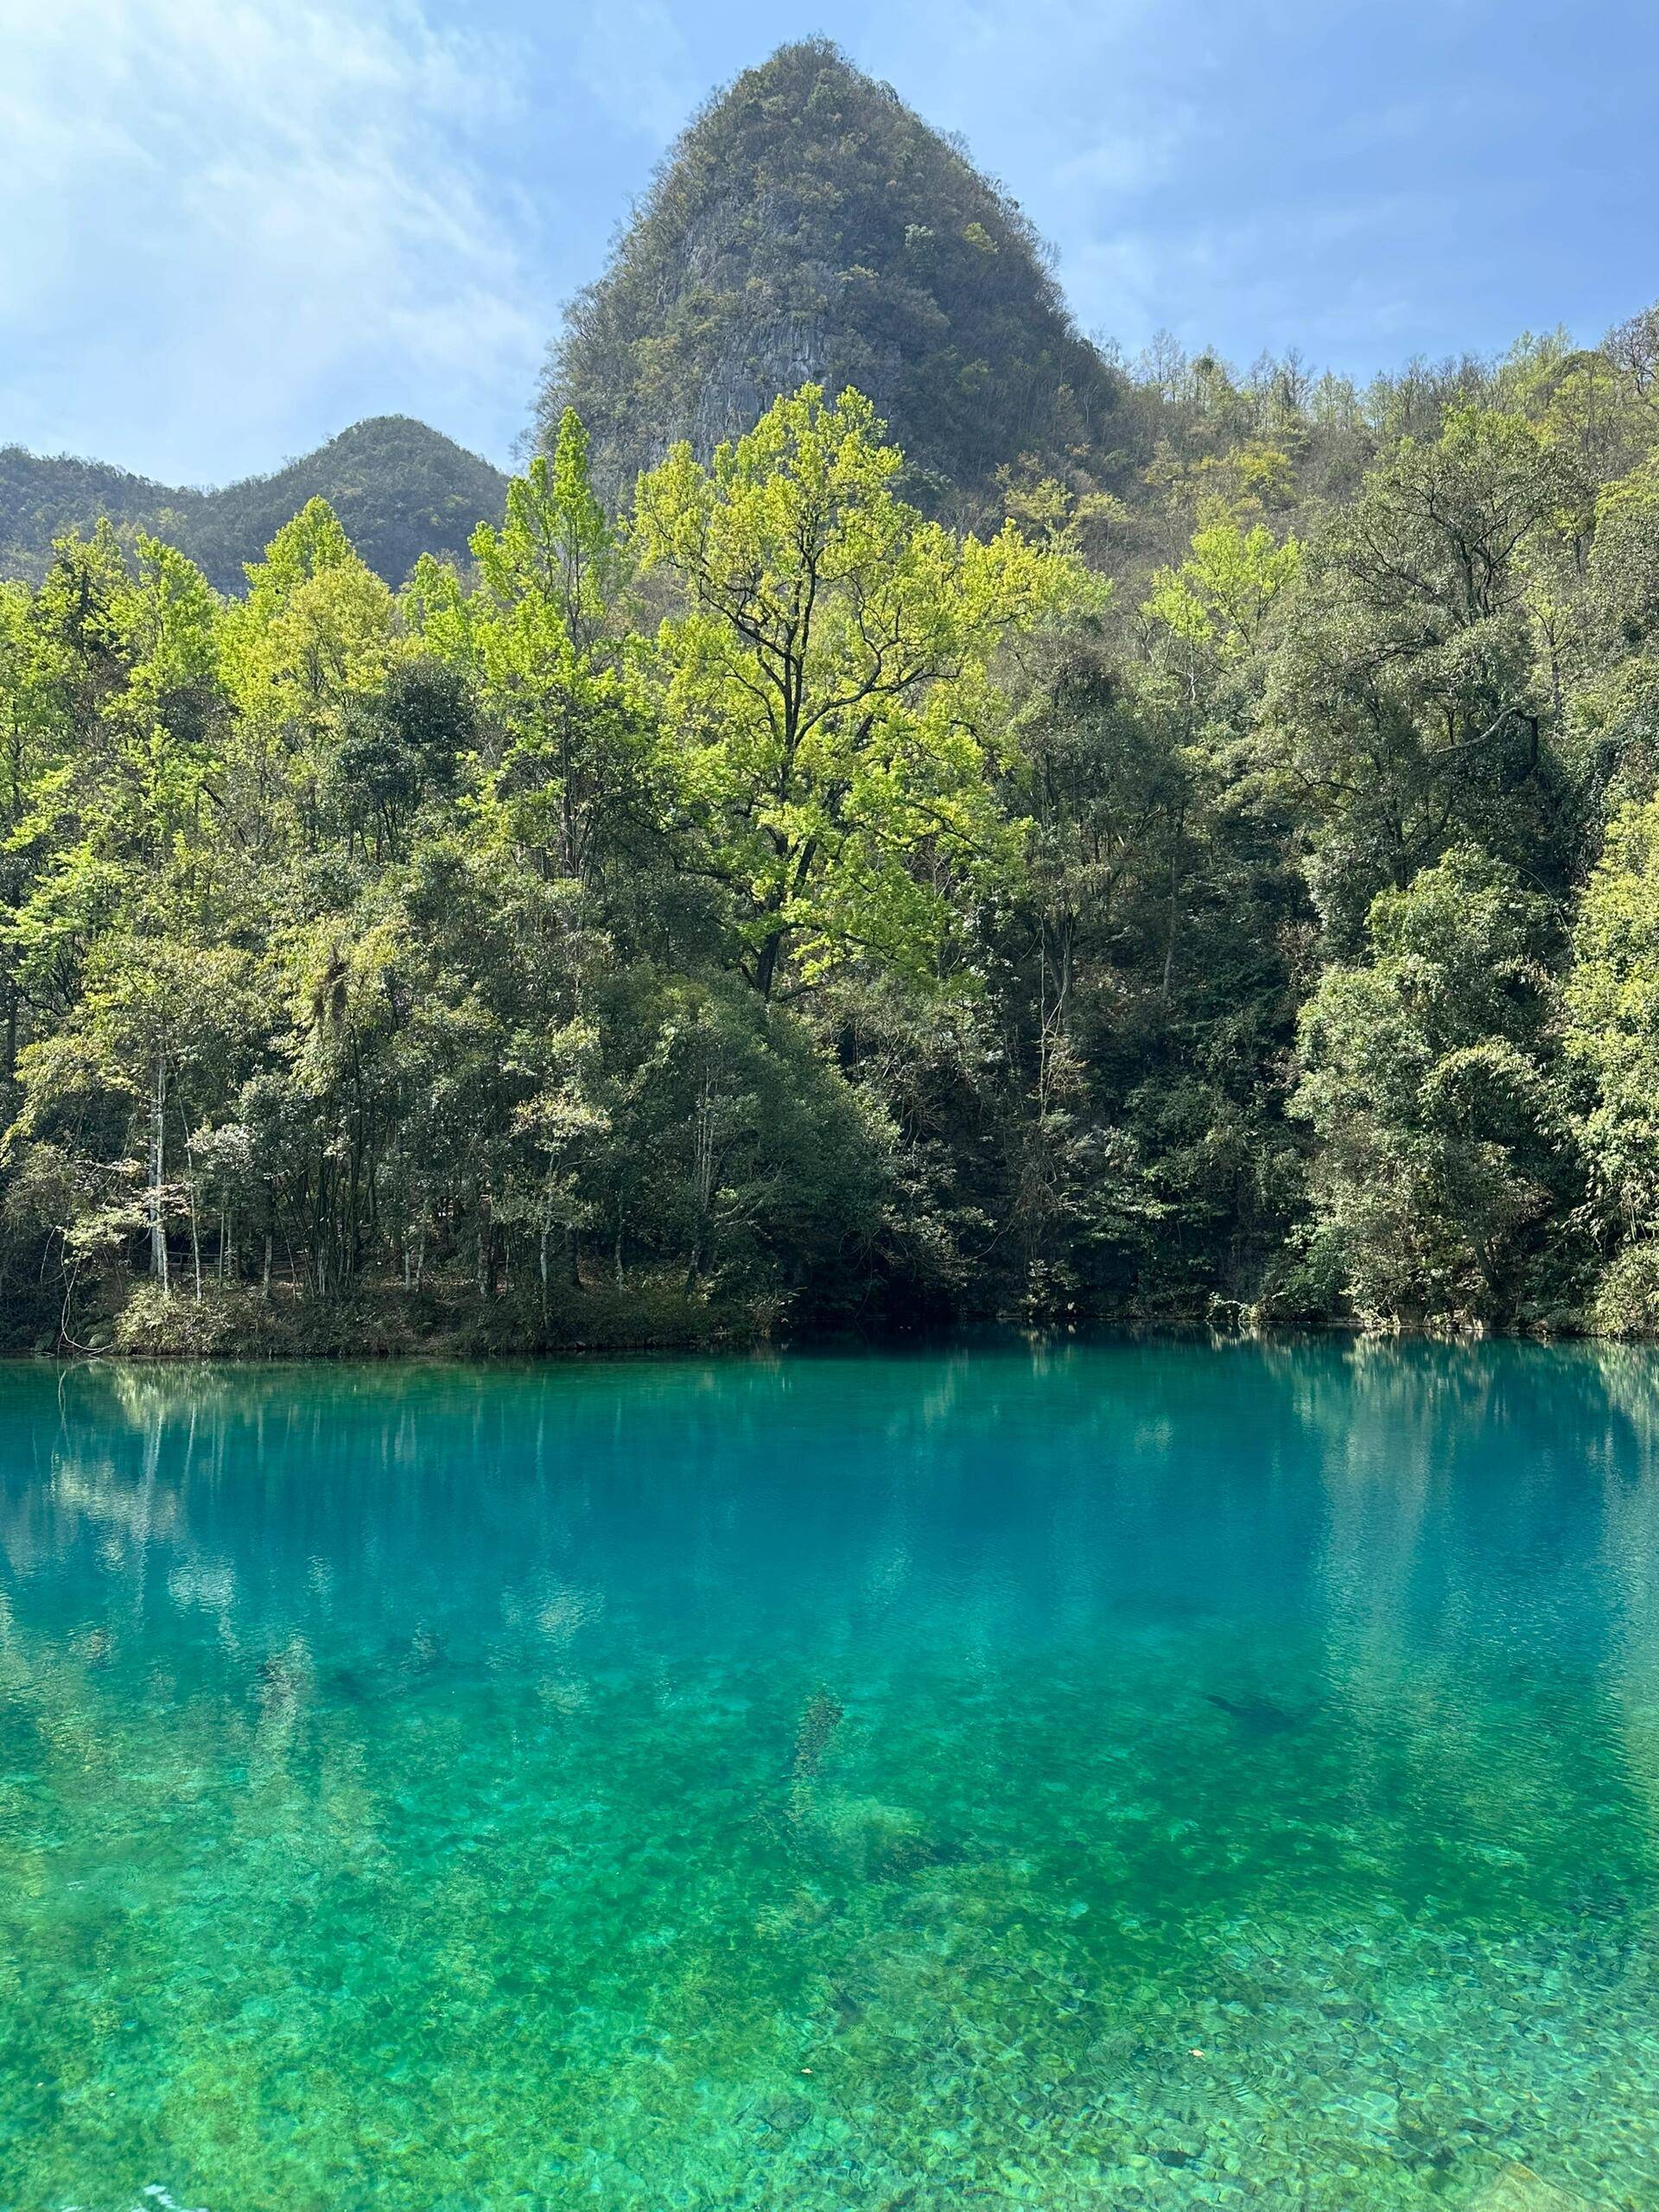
461,1347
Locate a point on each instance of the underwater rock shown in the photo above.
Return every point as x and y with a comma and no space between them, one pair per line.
1257,1716
818,1723
423,1654
869,1841
1517,2188
348,1686
784,2115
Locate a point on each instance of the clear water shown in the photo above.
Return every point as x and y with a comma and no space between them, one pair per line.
1124,1776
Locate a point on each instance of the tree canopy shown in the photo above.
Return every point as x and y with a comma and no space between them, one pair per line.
767,900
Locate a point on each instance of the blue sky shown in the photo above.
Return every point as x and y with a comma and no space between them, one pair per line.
230,227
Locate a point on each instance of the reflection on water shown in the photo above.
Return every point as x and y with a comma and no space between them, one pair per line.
1117,1775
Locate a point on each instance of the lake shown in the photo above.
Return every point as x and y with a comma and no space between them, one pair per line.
1123,1774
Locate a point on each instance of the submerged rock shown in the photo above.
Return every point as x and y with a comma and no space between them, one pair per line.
1517,2188
1257,1716
823,1716
862,1839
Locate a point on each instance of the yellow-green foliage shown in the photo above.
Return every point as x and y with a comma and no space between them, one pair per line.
780,898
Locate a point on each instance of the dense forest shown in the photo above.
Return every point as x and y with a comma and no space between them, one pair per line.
1222,883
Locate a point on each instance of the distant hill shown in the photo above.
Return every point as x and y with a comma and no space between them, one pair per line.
399,488
810,225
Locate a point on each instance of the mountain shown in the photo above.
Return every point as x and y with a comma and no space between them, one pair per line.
399,488
807,226
810,226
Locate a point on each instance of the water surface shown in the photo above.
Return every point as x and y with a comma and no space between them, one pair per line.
1129,1774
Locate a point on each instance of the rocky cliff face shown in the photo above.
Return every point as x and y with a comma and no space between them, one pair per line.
810,227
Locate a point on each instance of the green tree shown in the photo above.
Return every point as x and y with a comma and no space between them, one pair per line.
1216,600
545,634
1405,712
1443,1149
1615,707
313,640
831,678
1612,1034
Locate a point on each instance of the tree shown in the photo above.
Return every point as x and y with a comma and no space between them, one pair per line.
1612,1024
1443,1150
314,639
831,675
1615,707
160,1041
1403,713
905,925
1216,600
544,636
398,747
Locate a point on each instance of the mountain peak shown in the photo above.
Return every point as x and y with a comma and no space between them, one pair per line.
809,226
399,488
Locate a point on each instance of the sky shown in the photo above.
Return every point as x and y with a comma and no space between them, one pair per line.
228,228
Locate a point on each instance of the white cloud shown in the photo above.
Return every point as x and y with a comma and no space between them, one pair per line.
252,215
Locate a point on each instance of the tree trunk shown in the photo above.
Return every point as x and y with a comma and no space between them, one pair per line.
766,965
195,1223
1174,893
157,1158
702,1173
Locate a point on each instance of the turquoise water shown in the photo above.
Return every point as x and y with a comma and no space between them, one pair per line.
1129,1775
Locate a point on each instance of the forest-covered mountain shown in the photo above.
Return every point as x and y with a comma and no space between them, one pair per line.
1223,882
808,227
400,488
